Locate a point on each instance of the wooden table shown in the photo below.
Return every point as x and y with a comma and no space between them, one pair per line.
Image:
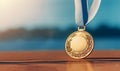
58,61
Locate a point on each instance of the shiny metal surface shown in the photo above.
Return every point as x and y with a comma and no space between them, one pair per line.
79,44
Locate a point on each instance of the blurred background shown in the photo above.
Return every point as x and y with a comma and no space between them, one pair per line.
27,25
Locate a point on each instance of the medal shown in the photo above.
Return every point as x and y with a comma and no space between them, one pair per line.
80,43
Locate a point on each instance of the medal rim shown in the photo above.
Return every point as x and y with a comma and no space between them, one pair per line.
87,54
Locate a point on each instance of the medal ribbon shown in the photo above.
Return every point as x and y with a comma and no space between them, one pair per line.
84,11
82,15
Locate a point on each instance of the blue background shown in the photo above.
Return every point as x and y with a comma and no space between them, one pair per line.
45,25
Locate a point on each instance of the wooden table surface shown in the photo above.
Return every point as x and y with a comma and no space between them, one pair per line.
59,61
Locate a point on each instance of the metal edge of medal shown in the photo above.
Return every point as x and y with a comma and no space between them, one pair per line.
85,50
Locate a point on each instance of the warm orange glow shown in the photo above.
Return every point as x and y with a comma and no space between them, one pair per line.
18,13
5,2
32,13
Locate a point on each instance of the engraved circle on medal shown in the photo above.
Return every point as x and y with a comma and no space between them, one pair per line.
79,44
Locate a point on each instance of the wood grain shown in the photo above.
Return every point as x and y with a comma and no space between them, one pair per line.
52,56
59,61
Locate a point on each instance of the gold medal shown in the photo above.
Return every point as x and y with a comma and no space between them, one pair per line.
79,44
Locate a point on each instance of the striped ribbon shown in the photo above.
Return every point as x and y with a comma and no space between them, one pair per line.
84,11
82,15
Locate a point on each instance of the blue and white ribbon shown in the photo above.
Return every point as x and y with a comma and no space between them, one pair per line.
82,15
